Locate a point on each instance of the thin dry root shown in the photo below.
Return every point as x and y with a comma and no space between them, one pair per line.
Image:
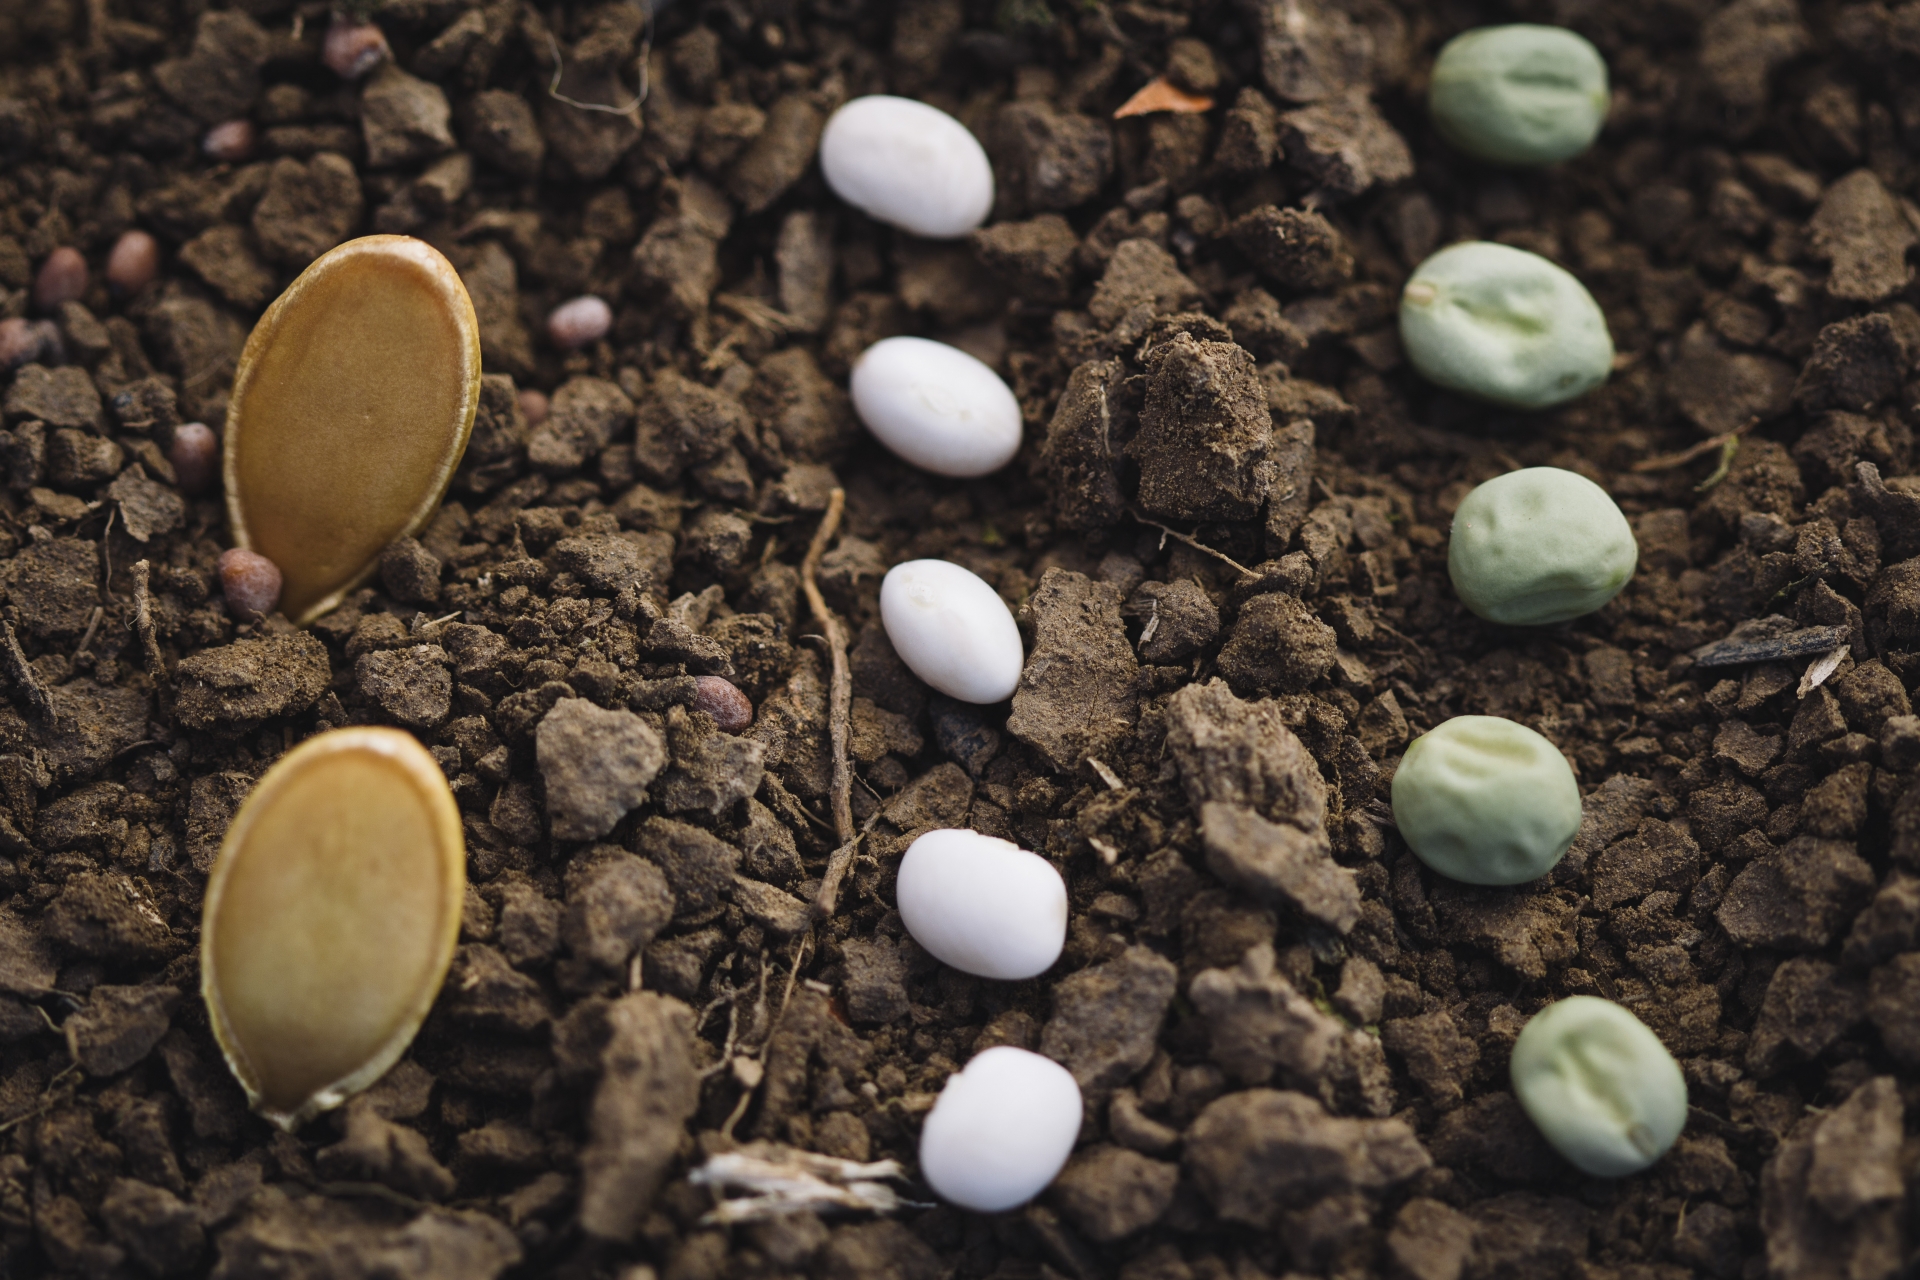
840,706
781,1180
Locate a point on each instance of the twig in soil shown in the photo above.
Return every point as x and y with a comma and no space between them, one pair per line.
93,626
1107,775
781,1180
1742,650
22,673
840,701
1668,461
828,898
143,623
1195,543
106,557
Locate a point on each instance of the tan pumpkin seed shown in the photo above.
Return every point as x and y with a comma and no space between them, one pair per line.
331,917
350,411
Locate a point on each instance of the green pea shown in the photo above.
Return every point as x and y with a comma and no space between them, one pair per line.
1483,800
1539,545
1520,94
1504,325
1599,1085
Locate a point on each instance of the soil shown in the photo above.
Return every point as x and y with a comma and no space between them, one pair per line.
1226,541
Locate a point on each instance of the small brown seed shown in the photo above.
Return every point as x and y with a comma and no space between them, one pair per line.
353,48
350,411
579,322
251,582
719,698
533,406
62,278
230,140
195,455
134,262
330,919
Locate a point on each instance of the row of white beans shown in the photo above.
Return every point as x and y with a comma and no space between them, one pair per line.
1005,1125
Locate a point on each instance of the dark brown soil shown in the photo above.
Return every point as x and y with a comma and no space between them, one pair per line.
1292,1038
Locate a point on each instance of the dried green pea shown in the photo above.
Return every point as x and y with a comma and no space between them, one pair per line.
1504,325
1521,94
1485,800
350,411
1599,1085
330,918
1537,546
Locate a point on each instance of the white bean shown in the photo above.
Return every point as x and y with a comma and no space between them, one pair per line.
983,905
1001,1130
907,164
952,630
936,406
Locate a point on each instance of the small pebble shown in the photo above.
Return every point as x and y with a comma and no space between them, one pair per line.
534,406
21,342
983,905
353,48
579,322
1504,325
1519,94
936,406
1537,546
719,698
952,630
251,582
195,455
907,164
62,278
230,140
1001,1130
134,262
1599,1085
1486,800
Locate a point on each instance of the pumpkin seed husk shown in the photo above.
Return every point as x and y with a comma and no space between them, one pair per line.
331,917
350,411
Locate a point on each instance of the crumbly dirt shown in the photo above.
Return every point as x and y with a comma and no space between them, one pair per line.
1225,540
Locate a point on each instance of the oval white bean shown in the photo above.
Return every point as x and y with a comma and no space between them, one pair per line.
952,630
907,164
1001,1130
936,406
983,905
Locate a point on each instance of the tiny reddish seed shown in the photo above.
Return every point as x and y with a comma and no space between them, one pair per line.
251,582
19,343
195,455
134,262
533,406
62,278
230,140
726,704
353,48
579,322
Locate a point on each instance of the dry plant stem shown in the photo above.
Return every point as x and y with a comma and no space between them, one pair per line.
840,705
1667,461
149,635
1193,542
22,674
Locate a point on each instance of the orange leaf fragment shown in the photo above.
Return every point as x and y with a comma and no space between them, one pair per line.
1159,95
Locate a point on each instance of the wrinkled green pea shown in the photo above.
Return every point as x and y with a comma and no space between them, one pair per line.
1504,325
1600,1086
1539,545
1520,94
1484,800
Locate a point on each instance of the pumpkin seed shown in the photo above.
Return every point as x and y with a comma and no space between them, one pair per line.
350,411
331,917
